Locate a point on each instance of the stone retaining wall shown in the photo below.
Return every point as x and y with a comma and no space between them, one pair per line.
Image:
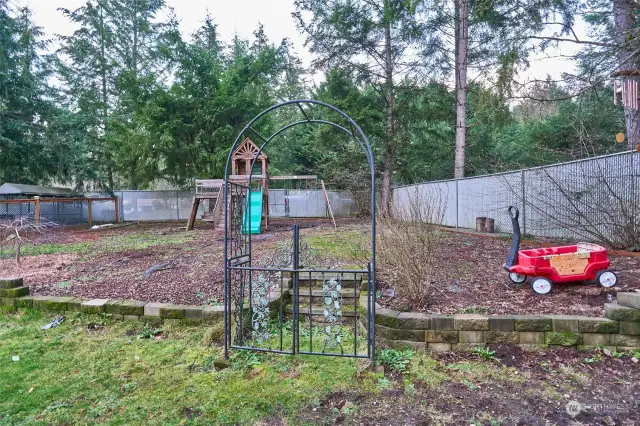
13,293
620,329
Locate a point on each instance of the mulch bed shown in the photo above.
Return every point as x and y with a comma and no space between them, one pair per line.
471,280
195,273
468,267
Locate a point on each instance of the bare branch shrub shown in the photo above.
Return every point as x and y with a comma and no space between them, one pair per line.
23,229
594,200
408,240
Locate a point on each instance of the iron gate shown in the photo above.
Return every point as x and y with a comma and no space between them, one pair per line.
292,301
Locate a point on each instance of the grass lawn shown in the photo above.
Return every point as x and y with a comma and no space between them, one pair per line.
93,370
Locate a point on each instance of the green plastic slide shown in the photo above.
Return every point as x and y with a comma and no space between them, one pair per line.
255,219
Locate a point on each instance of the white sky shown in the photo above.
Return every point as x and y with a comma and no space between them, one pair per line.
242,17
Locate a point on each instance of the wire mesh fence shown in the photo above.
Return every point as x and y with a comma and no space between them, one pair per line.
596,199
150,205
62,211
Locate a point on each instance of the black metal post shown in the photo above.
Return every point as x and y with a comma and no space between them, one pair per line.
296,282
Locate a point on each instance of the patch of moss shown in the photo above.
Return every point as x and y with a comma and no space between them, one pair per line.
565,338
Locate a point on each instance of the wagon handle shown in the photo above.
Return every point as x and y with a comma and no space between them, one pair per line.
512,259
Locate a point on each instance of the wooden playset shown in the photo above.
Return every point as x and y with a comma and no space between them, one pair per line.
579,262
213,189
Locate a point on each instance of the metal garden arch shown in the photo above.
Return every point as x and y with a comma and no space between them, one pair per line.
255,295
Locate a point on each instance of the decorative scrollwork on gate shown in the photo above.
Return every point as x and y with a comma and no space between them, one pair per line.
260,288
282,256
331,291
239,277
238,242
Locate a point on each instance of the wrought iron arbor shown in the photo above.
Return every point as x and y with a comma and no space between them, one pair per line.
269,305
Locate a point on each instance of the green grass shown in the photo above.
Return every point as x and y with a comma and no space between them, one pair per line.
348,246
70,375
124,242
132,373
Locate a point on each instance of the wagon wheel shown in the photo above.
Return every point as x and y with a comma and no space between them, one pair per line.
541,285
607,278
516,278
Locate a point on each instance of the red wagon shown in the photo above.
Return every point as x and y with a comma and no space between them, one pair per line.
579,262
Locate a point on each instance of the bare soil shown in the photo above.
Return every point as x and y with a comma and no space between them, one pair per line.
469,267
110,269
472,280
608,391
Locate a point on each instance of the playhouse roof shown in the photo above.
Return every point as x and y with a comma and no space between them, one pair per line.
31,190
248,150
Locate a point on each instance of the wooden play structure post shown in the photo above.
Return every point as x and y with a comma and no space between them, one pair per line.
213,189
37,209
241,159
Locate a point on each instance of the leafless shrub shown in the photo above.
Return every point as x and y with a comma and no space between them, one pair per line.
594,201
407,242
20,230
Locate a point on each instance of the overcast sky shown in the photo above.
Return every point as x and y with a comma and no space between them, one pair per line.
242,17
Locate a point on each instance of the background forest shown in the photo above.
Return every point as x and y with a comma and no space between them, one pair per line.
127,101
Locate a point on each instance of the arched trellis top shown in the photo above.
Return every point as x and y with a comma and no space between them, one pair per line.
356,132
239,268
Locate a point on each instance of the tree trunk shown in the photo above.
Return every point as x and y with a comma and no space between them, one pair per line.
462,43
625,22
388,155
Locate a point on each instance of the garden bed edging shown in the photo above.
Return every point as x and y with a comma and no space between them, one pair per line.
619,330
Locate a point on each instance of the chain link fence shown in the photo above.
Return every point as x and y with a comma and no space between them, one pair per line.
67,211
139,206
596,199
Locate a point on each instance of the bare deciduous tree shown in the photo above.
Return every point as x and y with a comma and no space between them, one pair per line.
20,230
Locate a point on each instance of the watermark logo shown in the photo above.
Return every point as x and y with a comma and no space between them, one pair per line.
573,408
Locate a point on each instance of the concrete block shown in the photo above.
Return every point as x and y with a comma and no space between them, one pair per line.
131,307
565,323
502,323
193,313
533,323
399,334
471,322
621,313
597,325
386,317
630,327
563,338
153,309
441,322
7,301
173,311
14,292
94,306
11,282
213,314
531,337
629,299
403,344
470,337
412,320
467,347
596,339
438,347
52,303
625,340
75,305
441,336
512,337
25,302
